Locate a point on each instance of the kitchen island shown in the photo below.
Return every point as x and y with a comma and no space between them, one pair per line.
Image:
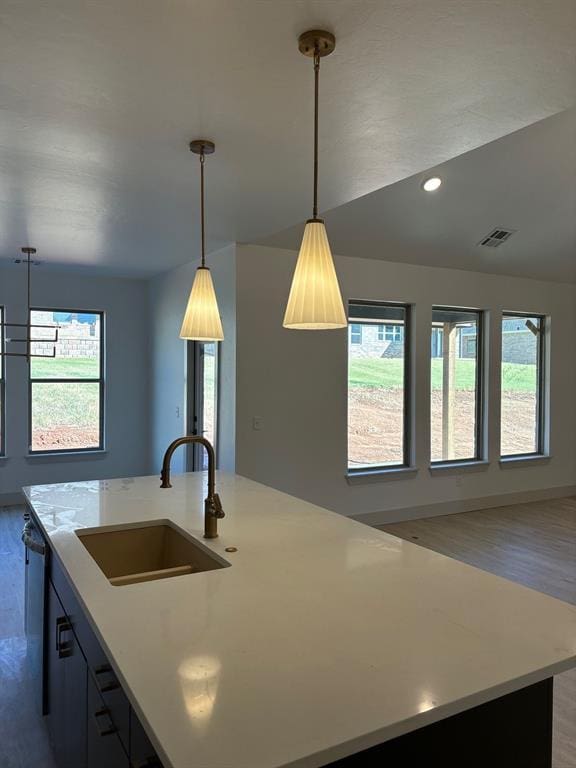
325,640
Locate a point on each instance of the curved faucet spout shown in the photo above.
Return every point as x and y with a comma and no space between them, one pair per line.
212,505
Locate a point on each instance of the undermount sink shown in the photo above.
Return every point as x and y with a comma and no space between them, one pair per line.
129,554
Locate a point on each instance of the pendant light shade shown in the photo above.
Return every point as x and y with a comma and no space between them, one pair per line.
202,318
315,302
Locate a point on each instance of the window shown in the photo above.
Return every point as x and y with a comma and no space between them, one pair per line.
378,388
456,385
436,342
67,390
2,386
202,399
390,332
522,385
393,332
355,333
209,399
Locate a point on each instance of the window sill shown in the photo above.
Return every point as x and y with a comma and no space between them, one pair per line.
513,461
457,467
66,454
380,475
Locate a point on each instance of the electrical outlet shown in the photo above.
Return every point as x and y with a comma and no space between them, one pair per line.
257,423
177,411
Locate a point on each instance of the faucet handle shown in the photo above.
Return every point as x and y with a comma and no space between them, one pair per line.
217,506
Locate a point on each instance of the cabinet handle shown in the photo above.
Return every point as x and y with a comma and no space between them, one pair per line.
111,685
64,649
104,712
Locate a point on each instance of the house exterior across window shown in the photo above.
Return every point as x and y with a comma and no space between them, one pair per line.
355,333
393,333
380,339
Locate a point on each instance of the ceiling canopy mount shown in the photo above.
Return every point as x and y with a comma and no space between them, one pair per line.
202,147
316,42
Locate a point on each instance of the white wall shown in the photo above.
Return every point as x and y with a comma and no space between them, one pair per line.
296,382
168,295
125,305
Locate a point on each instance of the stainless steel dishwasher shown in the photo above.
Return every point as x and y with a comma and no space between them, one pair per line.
35,558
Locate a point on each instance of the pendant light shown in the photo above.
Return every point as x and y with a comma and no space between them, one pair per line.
315,301
202,318
30,262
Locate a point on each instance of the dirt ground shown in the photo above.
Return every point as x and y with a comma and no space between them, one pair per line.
519,421
64,438
376,425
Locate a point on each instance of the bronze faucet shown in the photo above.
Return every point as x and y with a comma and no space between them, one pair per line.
212,506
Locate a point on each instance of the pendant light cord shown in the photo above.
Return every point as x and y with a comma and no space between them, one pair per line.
316,79
202,208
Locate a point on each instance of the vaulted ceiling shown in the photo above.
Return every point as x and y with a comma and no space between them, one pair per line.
98,101
524,182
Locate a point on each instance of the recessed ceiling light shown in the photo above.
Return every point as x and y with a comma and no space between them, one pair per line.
431,184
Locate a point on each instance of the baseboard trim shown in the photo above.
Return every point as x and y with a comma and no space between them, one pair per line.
11,499
398,515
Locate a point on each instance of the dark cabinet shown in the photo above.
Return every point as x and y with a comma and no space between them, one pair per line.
142,753
105,749
90,720
66,687
114,699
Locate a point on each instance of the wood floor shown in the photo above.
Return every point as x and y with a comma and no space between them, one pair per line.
533,544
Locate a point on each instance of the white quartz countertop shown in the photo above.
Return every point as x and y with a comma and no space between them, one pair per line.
325,636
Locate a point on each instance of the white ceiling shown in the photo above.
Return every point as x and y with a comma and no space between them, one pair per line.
525,182
99,98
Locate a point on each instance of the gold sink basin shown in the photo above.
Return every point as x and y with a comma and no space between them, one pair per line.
129,554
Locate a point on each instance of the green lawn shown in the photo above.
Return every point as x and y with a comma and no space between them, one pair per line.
74,404
388,373
77,404
64,368
61,405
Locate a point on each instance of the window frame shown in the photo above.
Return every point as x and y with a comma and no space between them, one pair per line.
480,406
541,381
101,381
407,453
2,382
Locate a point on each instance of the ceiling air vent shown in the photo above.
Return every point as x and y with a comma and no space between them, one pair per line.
497,237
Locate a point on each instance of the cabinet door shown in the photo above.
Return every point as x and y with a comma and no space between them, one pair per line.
55,679
66,696
104,747
142,753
